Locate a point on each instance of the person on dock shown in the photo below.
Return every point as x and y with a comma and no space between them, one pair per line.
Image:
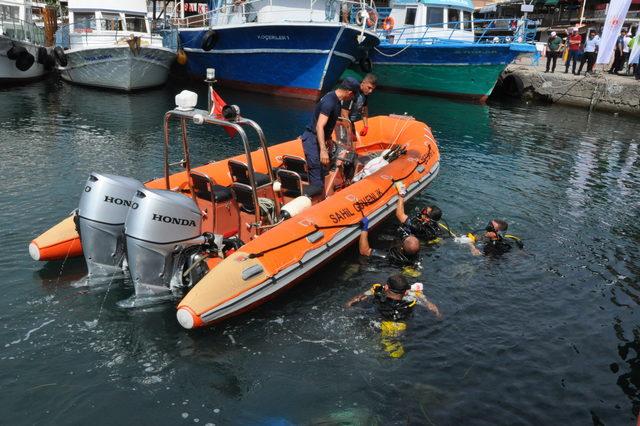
553,51
575,40
357,108
404,254
424,225
395,301
591,47
493,242
618,53
316,138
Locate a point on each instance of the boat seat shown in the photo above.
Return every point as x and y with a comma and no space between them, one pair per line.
243,194
204,187
240,173
292,187
296,164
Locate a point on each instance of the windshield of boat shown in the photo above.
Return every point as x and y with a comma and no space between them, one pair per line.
136,23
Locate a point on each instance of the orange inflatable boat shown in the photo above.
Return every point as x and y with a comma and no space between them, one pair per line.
230,234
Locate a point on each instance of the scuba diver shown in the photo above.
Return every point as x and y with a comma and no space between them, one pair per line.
404,254
494,242
395,301
424,225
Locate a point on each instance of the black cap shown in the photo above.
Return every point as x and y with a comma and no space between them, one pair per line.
398,284
351,84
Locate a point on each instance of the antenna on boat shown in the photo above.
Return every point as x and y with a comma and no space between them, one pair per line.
210,80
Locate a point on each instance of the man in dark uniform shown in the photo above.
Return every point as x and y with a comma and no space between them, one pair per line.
357,108
317,135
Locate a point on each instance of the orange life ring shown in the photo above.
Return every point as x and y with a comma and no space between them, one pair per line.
372,20
388,23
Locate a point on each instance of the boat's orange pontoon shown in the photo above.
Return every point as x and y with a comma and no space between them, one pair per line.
233,233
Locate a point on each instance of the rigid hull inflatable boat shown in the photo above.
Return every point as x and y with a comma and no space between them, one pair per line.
232,233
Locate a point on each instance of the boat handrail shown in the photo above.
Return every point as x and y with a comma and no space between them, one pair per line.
20,30
98,30
479,31
243,11
203,117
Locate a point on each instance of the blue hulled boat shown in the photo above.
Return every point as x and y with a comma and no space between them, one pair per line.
284,47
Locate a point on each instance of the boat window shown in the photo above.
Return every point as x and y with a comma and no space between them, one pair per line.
111,22
466,17
410,17
84,22
435,16
453,15
8,13
135,23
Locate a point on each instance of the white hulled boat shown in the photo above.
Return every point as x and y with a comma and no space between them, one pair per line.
111,44
22,53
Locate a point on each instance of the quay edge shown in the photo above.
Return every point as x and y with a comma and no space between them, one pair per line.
598,92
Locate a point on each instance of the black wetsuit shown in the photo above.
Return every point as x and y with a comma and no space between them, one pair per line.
426,231
495,247
391,309
395,255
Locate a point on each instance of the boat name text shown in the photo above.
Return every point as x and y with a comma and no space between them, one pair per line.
270,37
120,202
173,220
371,197
340,215
97,58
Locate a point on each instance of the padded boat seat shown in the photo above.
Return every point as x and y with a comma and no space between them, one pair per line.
240,173
203,186
243,195
292,186
296,164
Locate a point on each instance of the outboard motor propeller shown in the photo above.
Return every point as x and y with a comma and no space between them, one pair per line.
165,242
104,205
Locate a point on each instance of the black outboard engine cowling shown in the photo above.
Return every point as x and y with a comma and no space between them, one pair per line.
104,205
164,235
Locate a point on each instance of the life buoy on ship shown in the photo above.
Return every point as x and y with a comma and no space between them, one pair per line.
60,56
388,23
209,40
365,64
372,19
24,61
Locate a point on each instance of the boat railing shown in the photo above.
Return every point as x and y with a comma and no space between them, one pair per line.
477,31
238,126
20,30
259,11
89,32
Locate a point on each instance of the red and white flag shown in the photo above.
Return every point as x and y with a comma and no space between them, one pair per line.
217,103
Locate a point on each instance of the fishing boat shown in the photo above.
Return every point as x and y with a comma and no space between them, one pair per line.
231,234
23,56
111,44
292,48
436,47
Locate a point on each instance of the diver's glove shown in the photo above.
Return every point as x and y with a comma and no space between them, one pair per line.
364,131
364,224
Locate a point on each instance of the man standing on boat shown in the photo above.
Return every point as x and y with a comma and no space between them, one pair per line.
358,107
317,136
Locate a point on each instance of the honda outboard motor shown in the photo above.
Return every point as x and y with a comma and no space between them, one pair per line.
164,238
103,208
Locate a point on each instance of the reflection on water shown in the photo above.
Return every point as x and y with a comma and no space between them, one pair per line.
546,335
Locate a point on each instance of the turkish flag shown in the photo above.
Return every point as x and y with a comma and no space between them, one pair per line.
217,103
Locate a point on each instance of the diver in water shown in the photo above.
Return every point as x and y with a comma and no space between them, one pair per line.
403,254
395,301
494,242
424,225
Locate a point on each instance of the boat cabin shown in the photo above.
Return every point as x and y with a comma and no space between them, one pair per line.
15,10
16,21
87,16
417,21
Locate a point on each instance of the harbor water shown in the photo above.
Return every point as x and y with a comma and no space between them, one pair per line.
544,335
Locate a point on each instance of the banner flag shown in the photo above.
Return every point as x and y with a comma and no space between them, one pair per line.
635,52
616,15
217,103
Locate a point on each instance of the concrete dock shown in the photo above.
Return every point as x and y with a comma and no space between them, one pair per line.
599,91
